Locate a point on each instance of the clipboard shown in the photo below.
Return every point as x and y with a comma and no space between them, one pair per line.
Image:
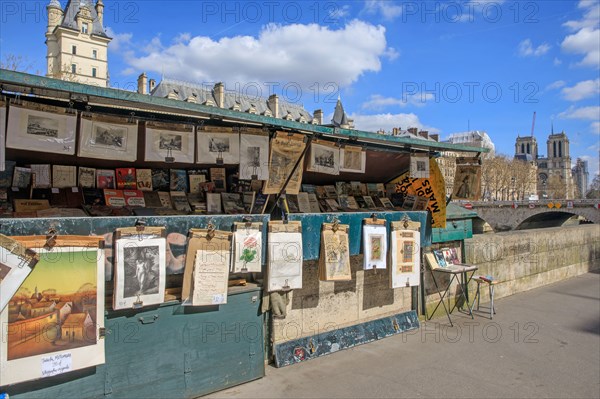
334,260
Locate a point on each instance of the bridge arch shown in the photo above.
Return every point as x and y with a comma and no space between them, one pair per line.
545,219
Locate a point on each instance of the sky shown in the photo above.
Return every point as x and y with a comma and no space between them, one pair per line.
442,66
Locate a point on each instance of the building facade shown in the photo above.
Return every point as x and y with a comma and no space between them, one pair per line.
580,177
77,45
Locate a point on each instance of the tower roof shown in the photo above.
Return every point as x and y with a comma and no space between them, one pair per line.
70,18
339,116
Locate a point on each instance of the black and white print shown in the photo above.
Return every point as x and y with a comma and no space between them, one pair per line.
324,159
218,144
110,136
169,141
141,271
41,126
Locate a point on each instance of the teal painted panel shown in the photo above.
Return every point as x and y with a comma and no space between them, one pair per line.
168,351
455,230
312,222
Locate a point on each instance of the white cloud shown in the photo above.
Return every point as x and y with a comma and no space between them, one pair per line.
556,62
585,113
591,16
301,53
336,12
378,102
388,10
391,53
526,49
595,126
582,90
556,85
374,123
119,40
585,42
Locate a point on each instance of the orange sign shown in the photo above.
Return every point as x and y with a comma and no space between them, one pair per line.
550,205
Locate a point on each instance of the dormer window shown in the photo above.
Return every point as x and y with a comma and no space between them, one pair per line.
302,119
252,109
210,103
268,113
236,106
289,117
85,27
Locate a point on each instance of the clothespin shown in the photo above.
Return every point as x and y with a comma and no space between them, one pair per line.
50,239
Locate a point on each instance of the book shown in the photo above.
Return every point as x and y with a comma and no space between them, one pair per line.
180,202
197,202
6,176
152,199
352,204
342,188
380,190
207,187
248,199
73,196
165,199
439,257
64,176
93,196
343,201
195,181
360,200
421,203
41,176
303,202
314,203
30,205
386,203
178,180
260,203
114,198
87,177
320,192
377,202
292,203
58,198
217,176
325,207
409,202
390,189
134,198
330,191
41,193
370,204
144,179
160,180
309,188
333,204
213,203
21,177
105,178
126,179
397,199
232,203
372,189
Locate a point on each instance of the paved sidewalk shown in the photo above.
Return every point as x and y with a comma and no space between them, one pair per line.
541,343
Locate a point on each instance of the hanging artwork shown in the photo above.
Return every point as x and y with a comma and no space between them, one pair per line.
334,262
172,142
254,156
286,150
2,135
140,271
353,159
405,254
247,247
16,262
284,256
52,324
39,127
207,265
374,244
467,179
419,166
216,147
106,137
324,158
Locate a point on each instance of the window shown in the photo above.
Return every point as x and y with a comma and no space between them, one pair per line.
73,68
94,54
84,27
94,72
74,49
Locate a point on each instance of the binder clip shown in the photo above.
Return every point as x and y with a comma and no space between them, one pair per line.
405,221
169,157
131,118
335,225
140,227
286,286
138,304
211,231
50,239
374,217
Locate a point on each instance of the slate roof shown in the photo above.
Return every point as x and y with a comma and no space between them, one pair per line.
70,15
339,115
202,93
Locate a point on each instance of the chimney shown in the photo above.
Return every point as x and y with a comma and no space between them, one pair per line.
152,85
318,115
434,137
412,130
219,91
395,131
142,84
100,11
273,103
424,134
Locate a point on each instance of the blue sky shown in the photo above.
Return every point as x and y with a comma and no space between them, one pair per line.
442,66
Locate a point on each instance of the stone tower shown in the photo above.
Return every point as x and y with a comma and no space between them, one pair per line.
77,46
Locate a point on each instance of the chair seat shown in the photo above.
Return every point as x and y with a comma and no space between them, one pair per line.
455,269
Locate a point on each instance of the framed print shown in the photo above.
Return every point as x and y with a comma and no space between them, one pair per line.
254,157
218,148
247,248
53,321
419,166
324,158
405,254
467,182
39,127
108,138
353,159
169,141
284,256
374,245
140,271
286,149
16,262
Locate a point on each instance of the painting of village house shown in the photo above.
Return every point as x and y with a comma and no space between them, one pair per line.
58,308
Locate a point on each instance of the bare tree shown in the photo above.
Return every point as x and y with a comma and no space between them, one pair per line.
15,62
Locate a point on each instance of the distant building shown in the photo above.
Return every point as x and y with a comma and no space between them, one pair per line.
580,177
77,45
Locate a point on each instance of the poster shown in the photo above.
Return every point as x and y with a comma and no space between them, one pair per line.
404,256
108,138
213,146
374,246
169,141
432,188
324,158
286,150
247,247
467,182
353,159
57,313
284,256
419,166
38,127
254,157
140,271
334,262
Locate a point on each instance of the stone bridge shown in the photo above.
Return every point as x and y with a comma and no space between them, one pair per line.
509,215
